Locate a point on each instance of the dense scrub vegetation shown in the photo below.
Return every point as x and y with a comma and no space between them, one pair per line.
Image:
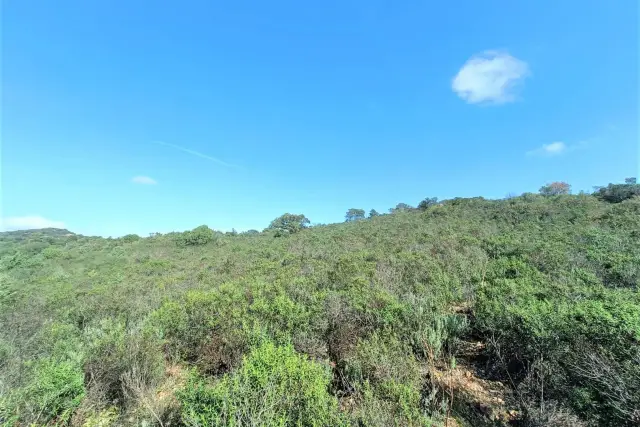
363,323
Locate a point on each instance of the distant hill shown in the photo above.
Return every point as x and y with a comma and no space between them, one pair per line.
28,234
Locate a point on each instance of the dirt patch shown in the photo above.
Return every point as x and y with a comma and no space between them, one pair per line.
175,379
479,397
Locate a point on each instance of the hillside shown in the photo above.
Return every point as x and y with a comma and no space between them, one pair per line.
522,311
34,234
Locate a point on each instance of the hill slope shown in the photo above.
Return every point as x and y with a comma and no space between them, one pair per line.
362,323
34,234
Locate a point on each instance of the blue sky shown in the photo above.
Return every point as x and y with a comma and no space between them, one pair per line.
136,117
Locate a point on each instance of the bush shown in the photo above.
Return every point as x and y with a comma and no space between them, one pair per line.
130,238
206,328
53,252
280,316
105,418
616,193
529,323
198,236
8,291
275,386
54,391
119,357
384,366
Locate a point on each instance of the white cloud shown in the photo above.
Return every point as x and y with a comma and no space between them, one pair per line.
145,180
557,148
553,149
490,77
29,222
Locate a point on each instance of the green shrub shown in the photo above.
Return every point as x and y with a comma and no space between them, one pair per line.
198,236
274,386
528,320
8,291
119,356
433,335
386,367
55,389
5,352
53,252
63,341
616,193
624,216
208,328
130,238
105,418
373,411
281,313
13,261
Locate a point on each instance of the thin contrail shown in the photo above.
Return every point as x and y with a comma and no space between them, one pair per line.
196,153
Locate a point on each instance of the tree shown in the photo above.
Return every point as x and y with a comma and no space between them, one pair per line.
354,214
373,213
427,203
288,224
630,181
401,207
616,193
555,189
